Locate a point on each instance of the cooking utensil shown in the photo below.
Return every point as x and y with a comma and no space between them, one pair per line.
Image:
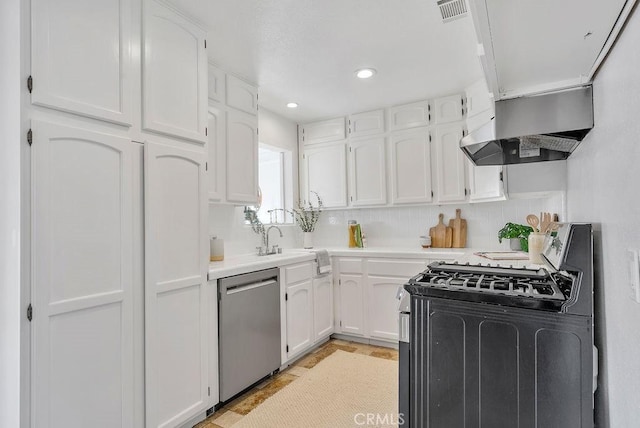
553,226
533,221
545,221
459,226
438,233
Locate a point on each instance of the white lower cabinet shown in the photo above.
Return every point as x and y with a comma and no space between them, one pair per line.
383,306
367,294
351,304
299,317
308,302
322,307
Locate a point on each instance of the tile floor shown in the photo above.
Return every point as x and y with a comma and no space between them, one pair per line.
238,408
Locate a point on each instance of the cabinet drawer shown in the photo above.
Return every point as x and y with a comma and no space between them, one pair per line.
299,272
350,265
400,268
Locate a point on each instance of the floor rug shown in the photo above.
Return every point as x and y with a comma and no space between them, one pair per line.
343,390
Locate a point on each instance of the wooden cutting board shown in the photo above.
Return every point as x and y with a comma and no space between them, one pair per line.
439,234
459,227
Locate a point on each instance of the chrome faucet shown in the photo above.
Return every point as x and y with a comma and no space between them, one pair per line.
274,249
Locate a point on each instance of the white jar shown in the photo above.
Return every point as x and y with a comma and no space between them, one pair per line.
536,245
216,249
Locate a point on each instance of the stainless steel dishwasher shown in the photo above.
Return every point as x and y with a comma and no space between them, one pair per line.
249,329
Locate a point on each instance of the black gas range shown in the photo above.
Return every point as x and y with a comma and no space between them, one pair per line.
501,346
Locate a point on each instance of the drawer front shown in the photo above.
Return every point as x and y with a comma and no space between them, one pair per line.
400,268
350,265
299,272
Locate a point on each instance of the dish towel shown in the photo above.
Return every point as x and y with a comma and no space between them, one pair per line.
324,263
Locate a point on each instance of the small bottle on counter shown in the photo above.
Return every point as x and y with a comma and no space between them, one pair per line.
352,233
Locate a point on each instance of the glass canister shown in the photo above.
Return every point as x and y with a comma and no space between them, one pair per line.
353,227
536,245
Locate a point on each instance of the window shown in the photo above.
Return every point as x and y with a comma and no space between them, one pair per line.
275,180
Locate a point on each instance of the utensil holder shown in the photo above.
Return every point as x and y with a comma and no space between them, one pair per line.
536,245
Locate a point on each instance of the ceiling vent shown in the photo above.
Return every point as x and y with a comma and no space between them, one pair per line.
452,9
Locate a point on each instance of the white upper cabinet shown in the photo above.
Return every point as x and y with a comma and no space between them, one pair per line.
478,98
216,84
216,149
241,95
82,278
485,183
409,115
81,59
448,109
480,104
410,167
324,131
450,164
176,303
174,74
367,172
242,158
367,123
324,171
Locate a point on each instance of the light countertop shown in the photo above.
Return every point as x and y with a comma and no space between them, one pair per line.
240,264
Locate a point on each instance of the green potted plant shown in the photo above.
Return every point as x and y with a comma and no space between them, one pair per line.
518,234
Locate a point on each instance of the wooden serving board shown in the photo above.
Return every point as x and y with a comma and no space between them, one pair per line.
441,235
459,227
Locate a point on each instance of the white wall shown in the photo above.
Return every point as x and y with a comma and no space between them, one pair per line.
277,131
401,227
388,227
604,189
10,306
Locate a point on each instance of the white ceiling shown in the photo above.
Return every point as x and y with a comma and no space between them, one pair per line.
539,44
308,50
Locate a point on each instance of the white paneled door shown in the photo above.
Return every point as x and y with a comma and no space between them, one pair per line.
176,263
368,184
383,306
81,57
410,170
352,304
324,171
299,317
174,74
242,158
322,307
450,164
82,278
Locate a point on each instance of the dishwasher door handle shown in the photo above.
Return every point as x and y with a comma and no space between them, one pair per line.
245,287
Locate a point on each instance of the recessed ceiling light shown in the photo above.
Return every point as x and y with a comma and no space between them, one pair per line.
365,73
292,105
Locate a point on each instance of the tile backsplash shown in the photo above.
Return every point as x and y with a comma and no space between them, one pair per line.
387,227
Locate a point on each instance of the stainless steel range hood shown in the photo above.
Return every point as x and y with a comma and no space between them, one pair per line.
532,129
